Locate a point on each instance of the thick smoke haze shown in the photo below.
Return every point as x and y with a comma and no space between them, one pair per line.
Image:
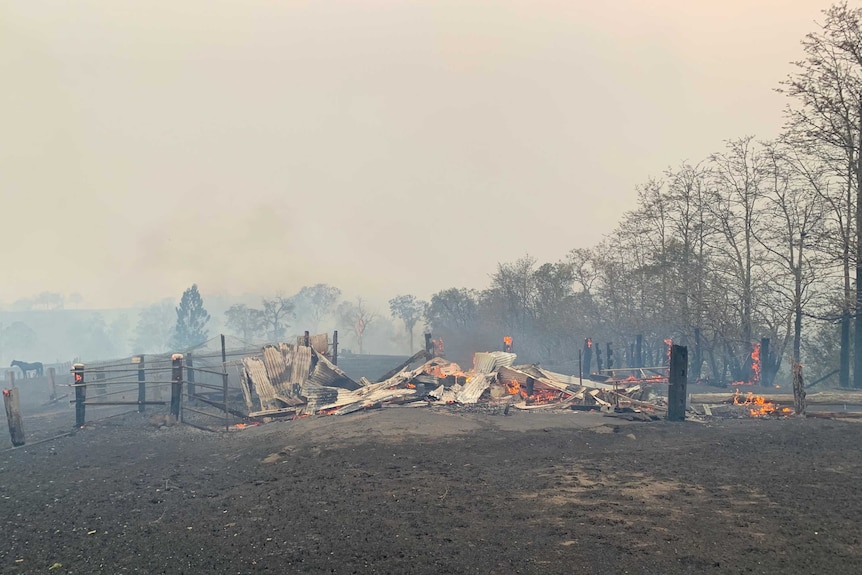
383,147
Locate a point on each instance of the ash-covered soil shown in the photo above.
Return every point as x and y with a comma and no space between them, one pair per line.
407,490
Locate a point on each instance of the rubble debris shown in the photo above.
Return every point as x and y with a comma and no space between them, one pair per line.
299,380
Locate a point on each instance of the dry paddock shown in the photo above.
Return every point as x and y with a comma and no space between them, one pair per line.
408,490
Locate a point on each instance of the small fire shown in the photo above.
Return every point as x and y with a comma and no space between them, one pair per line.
241,426
543,396
755,367
669,343
589,342
758,403
755,364
540,396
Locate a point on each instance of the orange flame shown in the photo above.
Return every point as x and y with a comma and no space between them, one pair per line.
758,403
540,396
755,364
755,367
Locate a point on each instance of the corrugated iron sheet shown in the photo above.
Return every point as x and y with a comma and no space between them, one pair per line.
327,373
301,367
246,390
474,388
256,371
488,362
277,370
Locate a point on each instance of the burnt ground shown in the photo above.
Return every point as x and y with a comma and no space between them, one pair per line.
407,490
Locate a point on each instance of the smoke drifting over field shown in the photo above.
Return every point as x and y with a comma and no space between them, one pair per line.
349,142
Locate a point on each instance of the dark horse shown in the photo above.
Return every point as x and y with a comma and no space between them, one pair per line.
35,368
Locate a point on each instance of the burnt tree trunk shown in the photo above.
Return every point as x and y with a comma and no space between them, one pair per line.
798,389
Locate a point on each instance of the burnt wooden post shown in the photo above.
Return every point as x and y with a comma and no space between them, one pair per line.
765,363
335,347
580,368
224,383
429,346
176,383
10,378
678,383
13,416
599,363
142,383
52,383
80,394
588,356
306,339
190,374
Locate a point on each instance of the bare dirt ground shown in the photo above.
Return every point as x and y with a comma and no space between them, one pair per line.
407,490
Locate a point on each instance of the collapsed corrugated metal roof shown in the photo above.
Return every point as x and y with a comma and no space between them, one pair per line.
301,380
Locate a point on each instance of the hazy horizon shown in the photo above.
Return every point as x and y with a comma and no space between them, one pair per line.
381,147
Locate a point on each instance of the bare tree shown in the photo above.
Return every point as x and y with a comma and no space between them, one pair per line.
356,317
794,214
826,114
739,175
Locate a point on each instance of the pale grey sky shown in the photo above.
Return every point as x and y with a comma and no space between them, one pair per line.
382,146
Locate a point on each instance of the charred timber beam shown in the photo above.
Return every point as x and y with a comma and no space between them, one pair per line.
401,367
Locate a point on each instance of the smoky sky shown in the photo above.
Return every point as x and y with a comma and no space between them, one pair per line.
384,147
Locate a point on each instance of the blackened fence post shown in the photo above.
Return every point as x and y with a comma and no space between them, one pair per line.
599,364
80,394
306,339
142,383
429,346
678,383
176,383
335,347
13,416
52,383
224,384
190,374
580,368
588,356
